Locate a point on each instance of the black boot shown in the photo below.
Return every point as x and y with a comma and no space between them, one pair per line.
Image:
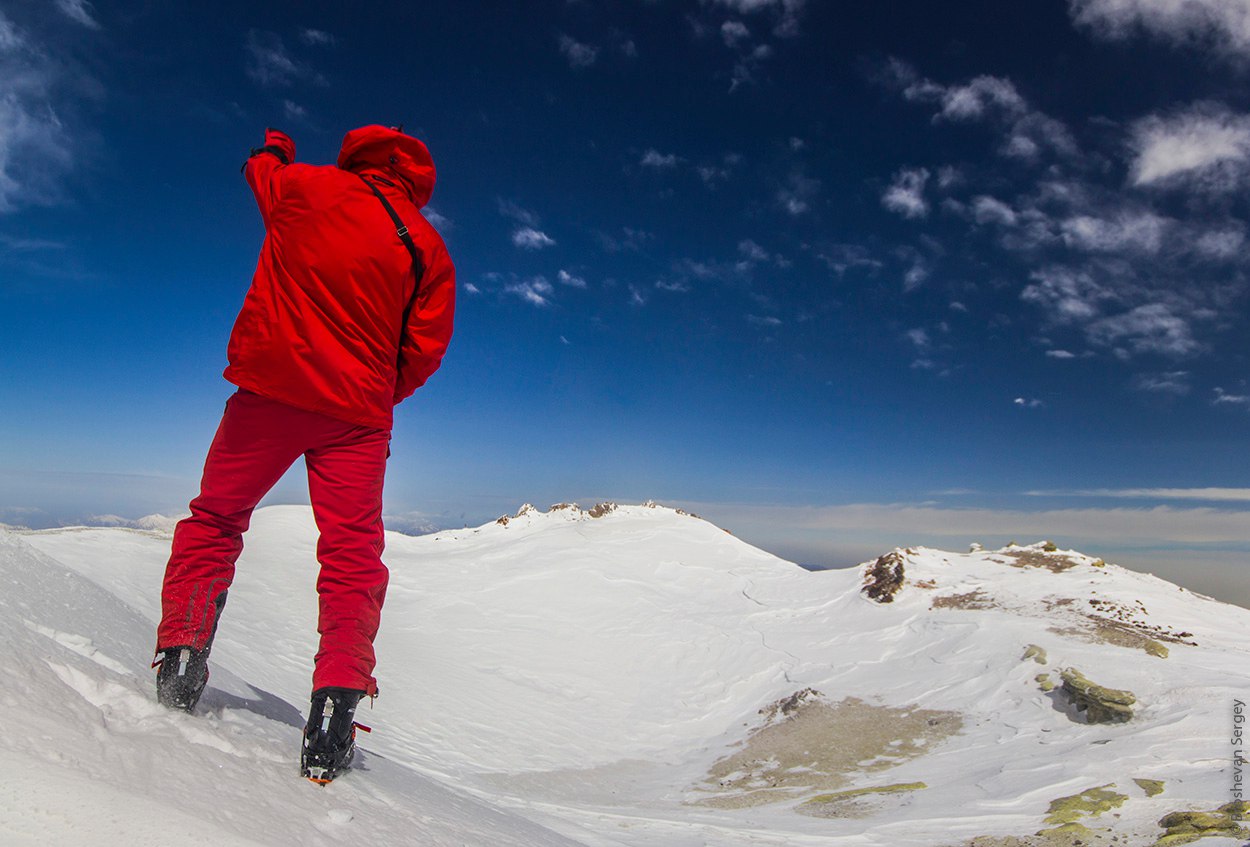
182,671
330,737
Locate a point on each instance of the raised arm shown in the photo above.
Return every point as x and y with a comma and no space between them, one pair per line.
264,167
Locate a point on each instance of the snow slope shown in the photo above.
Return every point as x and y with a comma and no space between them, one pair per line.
560,678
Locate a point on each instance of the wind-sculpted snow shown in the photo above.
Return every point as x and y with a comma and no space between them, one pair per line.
636,677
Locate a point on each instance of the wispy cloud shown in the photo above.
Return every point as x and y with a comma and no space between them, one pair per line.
1224,398
528,238
797,194
36,146
579,55
1175,383
571,280
1223,23
78,11
269,62
906,193
904,524
785,14
1206,146
316,37
1241,495
535,290
655,159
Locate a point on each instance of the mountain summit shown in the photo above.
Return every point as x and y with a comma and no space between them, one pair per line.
633,675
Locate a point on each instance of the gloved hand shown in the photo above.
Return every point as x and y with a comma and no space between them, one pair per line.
279,144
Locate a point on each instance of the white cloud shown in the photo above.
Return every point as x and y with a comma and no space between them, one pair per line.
906,193
1066,295
1060,354
438,221
1220,244
471,288
570,280
655,159
796,196
915,276
529,238
629,240
636,297
905,524
672,286
1027,132
1223,398
785,12
982,96
1205,146
919,337
1175,383
1212,495
78,11
1225,23
269,62
36,151
518,213
293,111
1127,232
989,210
840,258
764,320
1028,403
752,251
316,37
1152,328
536,290
733,32
579,55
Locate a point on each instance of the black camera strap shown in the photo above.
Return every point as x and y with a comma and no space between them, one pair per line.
402,231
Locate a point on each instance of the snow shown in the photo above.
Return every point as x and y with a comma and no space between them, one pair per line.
561,679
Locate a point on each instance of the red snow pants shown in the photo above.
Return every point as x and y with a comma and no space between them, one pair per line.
257,441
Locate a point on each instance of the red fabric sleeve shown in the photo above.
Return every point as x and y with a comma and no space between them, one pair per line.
263,171
429,326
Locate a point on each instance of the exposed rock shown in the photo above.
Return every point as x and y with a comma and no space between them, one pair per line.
854,802
1091,802
1035,653
1124,625
1185,827
885,578
976,599
1038,556
808,744
602,509
1152,787
1100,704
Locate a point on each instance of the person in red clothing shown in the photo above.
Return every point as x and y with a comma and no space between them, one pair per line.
349,312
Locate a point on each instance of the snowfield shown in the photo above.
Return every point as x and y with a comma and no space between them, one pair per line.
625,676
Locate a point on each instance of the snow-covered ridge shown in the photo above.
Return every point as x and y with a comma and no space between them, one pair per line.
638,678
574,512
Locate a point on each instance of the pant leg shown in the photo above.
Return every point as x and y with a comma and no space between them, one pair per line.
254,445
345,478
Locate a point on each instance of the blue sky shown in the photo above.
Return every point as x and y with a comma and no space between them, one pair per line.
839,276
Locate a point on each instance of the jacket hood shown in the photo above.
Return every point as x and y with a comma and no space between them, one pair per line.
390,151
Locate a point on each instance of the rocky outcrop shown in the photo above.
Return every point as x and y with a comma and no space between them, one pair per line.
1098,703
1185,827
885,578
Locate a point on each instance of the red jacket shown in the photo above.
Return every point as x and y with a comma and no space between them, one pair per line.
320,328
